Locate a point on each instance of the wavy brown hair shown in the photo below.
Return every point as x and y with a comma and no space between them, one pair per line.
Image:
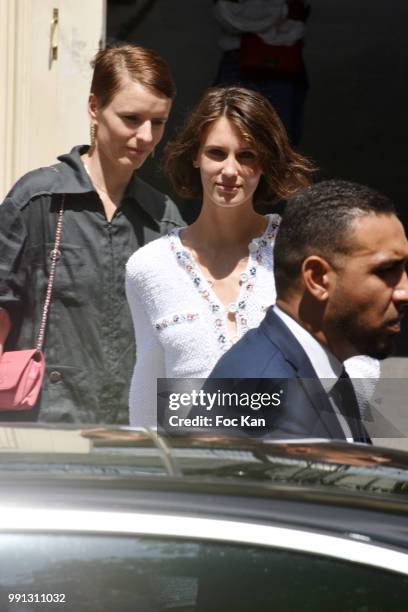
284,171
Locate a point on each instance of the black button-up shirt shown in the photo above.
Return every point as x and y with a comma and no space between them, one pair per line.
89,340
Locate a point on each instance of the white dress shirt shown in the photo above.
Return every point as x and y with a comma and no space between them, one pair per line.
327,367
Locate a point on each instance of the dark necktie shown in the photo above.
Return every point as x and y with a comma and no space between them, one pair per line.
348,406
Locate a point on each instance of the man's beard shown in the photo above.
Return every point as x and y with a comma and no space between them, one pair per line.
375,343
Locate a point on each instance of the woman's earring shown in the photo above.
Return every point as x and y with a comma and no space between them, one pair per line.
92,134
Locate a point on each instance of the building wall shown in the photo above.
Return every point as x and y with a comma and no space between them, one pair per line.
355,121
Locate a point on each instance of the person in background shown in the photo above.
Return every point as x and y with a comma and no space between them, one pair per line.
195,292
262,44
108,213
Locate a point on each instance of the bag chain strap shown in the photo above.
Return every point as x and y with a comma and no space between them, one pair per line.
55,254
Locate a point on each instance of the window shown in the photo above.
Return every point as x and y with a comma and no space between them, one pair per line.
128,574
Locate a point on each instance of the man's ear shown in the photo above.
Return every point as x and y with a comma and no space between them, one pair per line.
317,277
93,106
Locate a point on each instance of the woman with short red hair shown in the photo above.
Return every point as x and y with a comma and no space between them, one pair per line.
108,212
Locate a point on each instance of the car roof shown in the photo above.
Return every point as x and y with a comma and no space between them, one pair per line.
334,466
321,485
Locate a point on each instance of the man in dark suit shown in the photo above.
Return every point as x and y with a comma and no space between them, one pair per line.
340,258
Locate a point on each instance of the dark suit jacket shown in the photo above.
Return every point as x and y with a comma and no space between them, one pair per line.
270,359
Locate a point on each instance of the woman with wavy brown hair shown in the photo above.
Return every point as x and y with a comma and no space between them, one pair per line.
197,290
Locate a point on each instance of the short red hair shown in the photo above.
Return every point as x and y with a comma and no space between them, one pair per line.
139,64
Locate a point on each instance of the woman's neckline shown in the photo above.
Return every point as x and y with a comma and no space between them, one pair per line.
219,311
256,238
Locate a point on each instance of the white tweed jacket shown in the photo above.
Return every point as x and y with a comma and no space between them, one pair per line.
180,325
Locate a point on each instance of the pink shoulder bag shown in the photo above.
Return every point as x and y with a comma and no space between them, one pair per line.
22,372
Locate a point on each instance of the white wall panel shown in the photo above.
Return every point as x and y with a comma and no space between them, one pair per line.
43,101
